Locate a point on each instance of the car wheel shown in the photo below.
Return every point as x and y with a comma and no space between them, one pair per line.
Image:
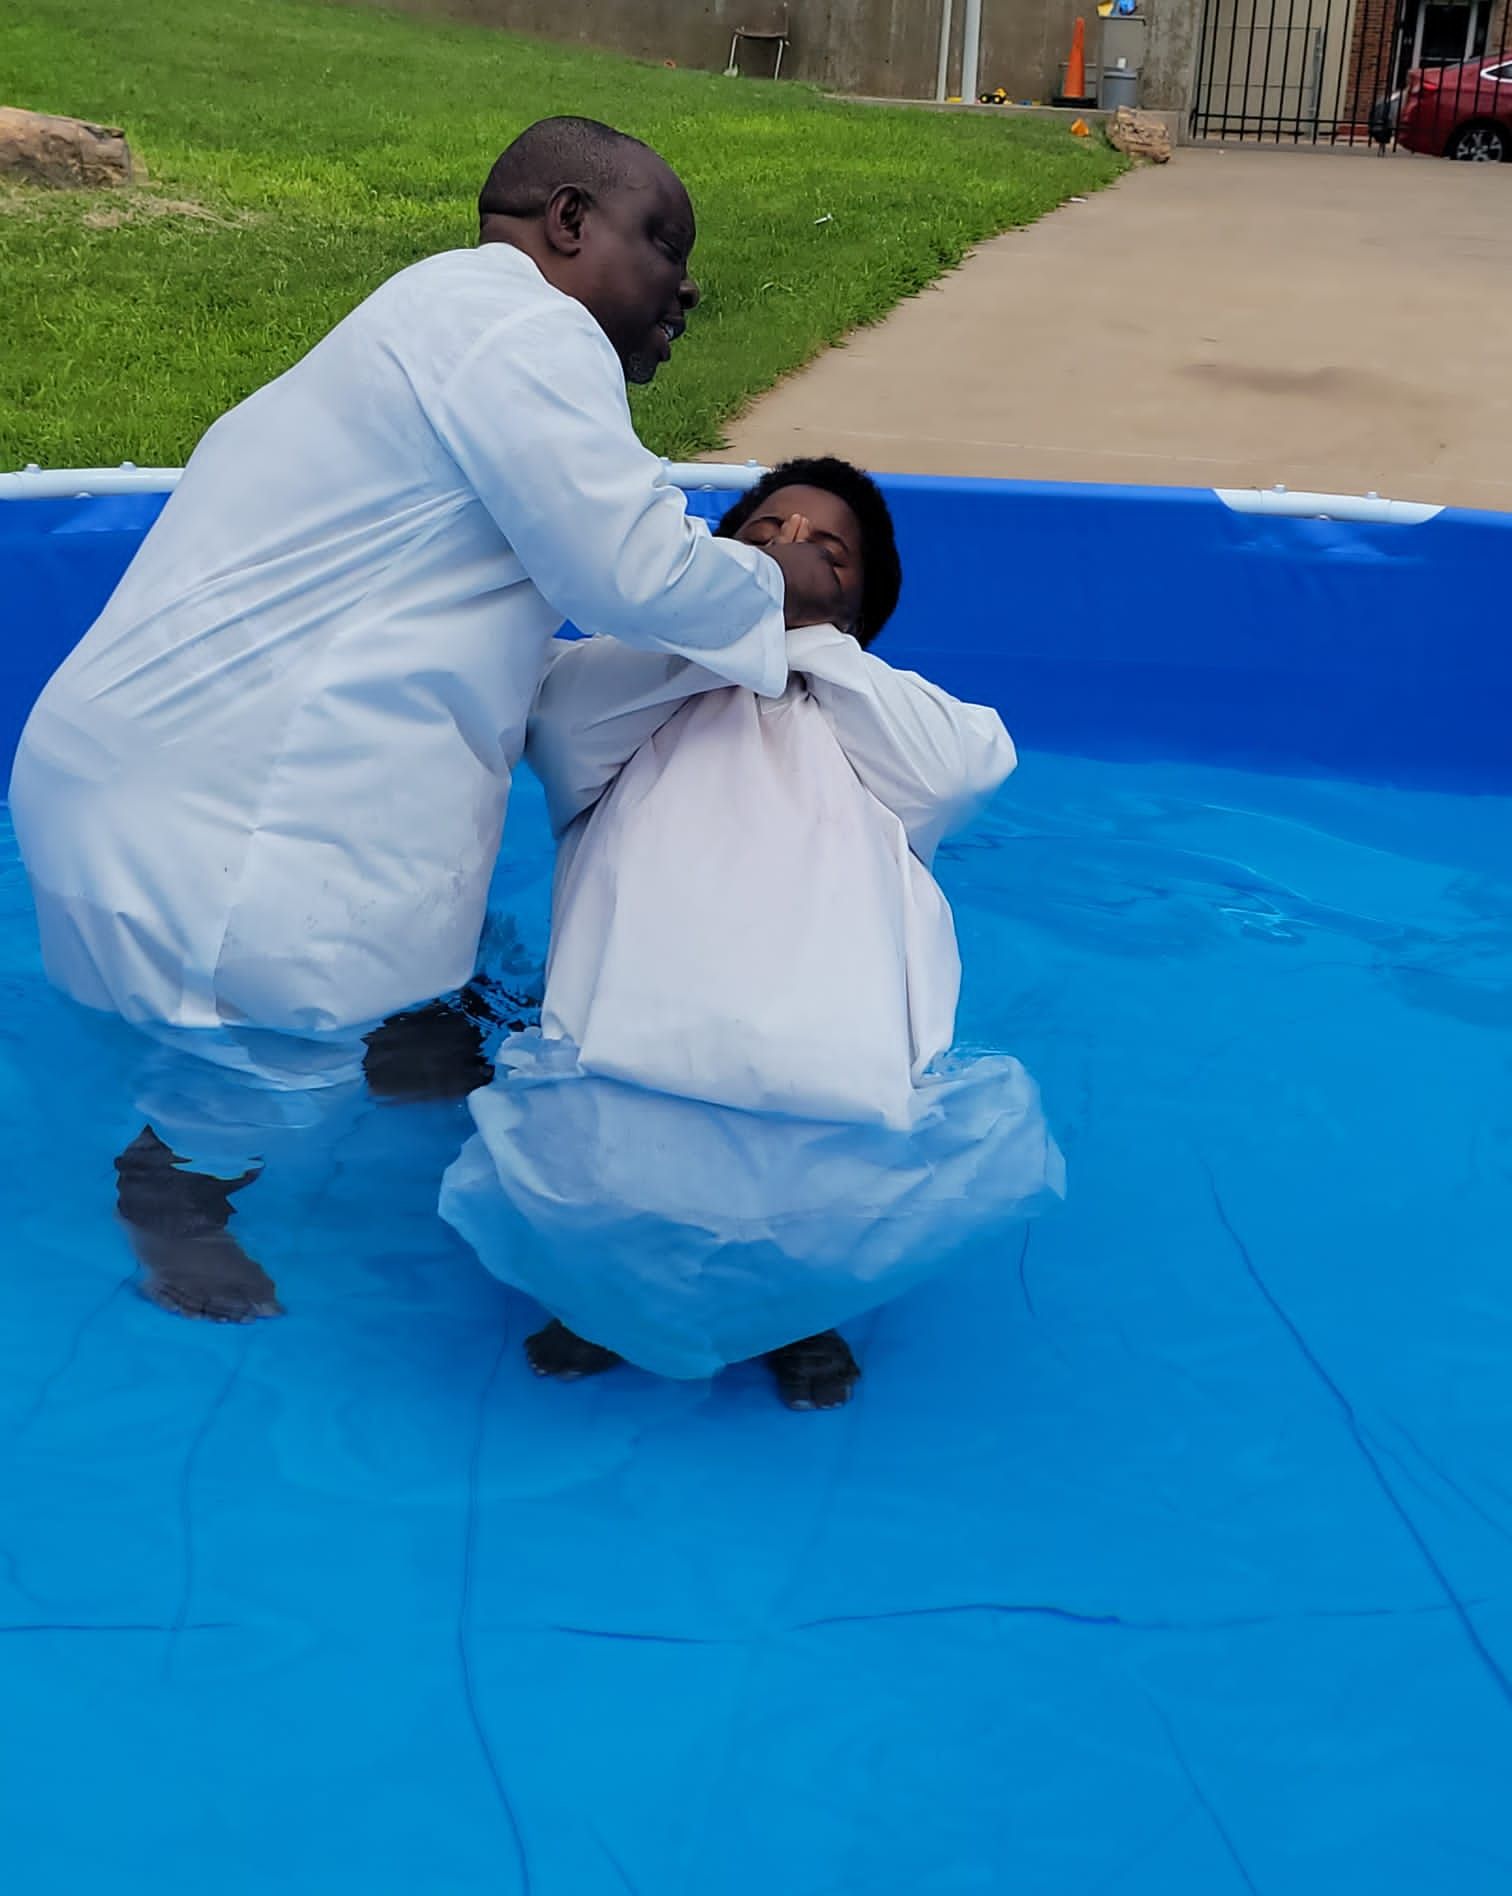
1481,145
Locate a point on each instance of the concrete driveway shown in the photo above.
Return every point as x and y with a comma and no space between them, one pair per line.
1235,318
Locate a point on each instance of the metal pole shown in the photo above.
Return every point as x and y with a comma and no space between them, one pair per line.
942,73
85,483
971,50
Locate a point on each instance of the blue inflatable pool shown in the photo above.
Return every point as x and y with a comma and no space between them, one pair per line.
1166,1553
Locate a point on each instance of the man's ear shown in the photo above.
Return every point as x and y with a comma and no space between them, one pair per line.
565,211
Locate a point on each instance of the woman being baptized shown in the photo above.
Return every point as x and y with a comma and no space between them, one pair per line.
740,1122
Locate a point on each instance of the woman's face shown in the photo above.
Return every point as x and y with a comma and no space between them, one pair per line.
823,519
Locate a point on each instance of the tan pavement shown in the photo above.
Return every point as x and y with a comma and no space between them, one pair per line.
1234,318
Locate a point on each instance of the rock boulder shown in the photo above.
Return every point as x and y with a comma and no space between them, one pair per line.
1140,135
65,153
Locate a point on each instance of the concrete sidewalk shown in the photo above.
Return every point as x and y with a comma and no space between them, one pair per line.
1234,318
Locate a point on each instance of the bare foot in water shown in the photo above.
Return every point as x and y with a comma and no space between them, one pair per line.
817,1372
209,1276
560,1352
176,1221
433,1052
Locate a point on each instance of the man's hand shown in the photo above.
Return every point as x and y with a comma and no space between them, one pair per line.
811,584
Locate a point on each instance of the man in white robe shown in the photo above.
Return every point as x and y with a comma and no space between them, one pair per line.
260,802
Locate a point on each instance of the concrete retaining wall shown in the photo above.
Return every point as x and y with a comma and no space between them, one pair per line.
875,48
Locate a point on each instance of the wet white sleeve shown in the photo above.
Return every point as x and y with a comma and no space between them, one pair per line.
598,702
932,760
536,418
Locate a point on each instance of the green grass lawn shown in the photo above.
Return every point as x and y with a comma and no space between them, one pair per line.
301,151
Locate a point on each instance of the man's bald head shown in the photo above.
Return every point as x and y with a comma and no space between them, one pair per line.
606,221
563,151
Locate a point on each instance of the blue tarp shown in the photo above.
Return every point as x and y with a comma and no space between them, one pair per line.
1139,622
1165,1555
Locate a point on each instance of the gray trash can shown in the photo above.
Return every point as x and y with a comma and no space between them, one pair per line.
1121,41
1120,54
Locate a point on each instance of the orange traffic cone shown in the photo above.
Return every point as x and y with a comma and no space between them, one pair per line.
1076,69
1076,65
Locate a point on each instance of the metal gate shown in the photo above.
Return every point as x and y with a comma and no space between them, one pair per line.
1432,76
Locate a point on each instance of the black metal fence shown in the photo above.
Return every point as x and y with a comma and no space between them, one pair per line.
1428,76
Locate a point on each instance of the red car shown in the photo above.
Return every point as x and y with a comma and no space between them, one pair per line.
1462,111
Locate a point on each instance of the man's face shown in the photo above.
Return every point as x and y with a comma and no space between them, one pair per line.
634,267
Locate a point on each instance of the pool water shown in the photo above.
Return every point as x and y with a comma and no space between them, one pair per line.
1167,1551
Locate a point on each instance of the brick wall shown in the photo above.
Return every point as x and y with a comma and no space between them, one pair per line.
1368,71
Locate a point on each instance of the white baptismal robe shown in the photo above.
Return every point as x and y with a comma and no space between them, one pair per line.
740,1122
747,916
267,787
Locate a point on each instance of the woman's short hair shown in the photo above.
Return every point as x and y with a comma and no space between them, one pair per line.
882,570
